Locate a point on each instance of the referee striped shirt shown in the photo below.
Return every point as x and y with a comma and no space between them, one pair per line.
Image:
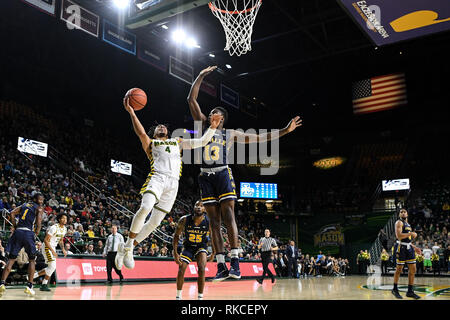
267,243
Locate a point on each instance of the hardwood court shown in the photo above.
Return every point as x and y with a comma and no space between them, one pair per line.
326,288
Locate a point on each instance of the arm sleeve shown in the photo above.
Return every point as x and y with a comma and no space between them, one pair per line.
203,141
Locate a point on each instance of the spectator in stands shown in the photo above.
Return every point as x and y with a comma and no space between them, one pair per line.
68,247
138,251
419,263
427,252
90,233
280,265
99,247
53,202
90,249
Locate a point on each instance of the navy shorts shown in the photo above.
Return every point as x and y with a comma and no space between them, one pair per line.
216,187
21,239
403,255
189,253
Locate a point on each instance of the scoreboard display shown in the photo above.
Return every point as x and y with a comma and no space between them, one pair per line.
258,190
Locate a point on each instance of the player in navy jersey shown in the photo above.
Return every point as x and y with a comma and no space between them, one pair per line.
217,187
404,252
26,228
196,231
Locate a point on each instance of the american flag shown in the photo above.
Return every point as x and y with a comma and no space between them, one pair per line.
379,93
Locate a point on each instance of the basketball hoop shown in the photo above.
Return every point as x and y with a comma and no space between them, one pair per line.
237,22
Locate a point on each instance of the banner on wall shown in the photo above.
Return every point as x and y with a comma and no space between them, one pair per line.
181,70
387,21
229,96
209,88
329,235
47,6
146,54
91,269
80,18
119,37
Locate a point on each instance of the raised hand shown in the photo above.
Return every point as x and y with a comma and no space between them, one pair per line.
294,123
207,71
126,104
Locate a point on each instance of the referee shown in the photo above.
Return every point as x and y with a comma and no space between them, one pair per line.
110,251
266,245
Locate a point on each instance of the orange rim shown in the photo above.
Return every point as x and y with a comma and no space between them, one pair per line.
214,8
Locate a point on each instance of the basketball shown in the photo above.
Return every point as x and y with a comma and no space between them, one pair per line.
138,98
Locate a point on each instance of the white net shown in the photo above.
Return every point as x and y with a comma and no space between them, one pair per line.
237,18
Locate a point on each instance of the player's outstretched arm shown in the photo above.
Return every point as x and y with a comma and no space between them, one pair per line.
176,239
137,126
194,107
241,137
207,136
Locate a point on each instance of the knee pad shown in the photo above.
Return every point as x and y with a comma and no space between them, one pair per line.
51,267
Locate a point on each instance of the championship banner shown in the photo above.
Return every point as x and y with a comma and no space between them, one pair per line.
209,88
74,269
146,54
229,96
181,70
80,18
119,37
33,147
329,235
388,21
47,6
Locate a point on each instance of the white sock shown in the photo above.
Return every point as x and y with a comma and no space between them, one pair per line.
200,296
45,281
179,293
129,243
220,258
234,253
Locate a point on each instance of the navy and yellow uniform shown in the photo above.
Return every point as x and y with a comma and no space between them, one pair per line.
404,252
216,180
195,238
23,236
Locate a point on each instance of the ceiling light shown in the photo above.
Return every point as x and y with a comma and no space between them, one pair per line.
228,66
121,4
212,55
178,36
164,27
